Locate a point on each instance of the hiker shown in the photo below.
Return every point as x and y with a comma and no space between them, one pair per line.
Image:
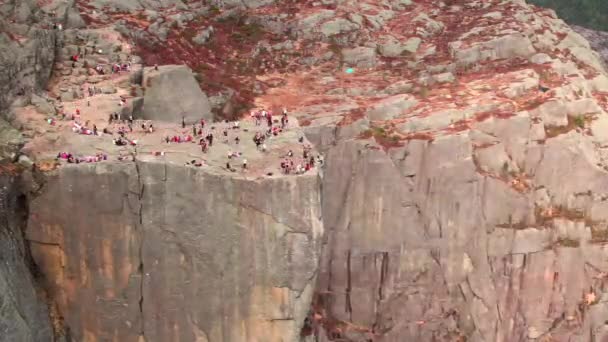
151,128
94,129
194,129
183,122
210,139
284,119
202,123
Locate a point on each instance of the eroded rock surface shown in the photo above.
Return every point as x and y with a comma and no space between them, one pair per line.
171,93
463,195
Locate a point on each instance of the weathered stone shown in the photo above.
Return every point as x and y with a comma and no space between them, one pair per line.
24,316
172,93
361,56
391,107
391,47
337,26
203,36
506,47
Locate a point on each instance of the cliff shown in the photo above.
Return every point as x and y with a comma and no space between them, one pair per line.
462,193
24,315
165,252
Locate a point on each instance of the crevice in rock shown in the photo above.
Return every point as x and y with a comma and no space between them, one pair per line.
348,305
140,268
383,275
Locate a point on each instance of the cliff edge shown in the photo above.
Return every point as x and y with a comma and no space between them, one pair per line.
455,191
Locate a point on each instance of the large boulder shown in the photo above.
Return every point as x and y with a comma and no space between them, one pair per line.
172,93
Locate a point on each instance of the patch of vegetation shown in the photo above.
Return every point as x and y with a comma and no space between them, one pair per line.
567,242
587,13
334,46
579,121
423,92
382,137
248,32
599,234
214,10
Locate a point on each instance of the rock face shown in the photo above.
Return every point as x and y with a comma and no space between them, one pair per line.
27,53
169,253
463,195
24,315
172,93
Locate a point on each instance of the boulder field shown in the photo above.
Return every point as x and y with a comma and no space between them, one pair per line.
462,193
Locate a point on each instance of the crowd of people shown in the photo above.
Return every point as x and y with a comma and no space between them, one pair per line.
201,133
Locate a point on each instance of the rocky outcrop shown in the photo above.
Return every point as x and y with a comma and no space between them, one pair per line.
172,253
172,93
463,195
27,51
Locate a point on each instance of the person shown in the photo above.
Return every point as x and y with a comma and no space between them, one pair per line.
194,129
244,164
156,67
183,122
236,140
94,129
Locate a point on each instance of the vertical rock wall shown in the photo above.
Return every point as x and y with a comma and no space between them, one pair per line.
423,246
23,311
170,253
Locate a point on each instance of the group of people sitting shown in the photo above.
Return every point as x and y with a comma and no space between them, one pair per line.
70,158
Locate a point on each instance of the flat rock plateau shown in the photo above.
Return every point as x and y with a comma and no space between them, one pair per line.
456,186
